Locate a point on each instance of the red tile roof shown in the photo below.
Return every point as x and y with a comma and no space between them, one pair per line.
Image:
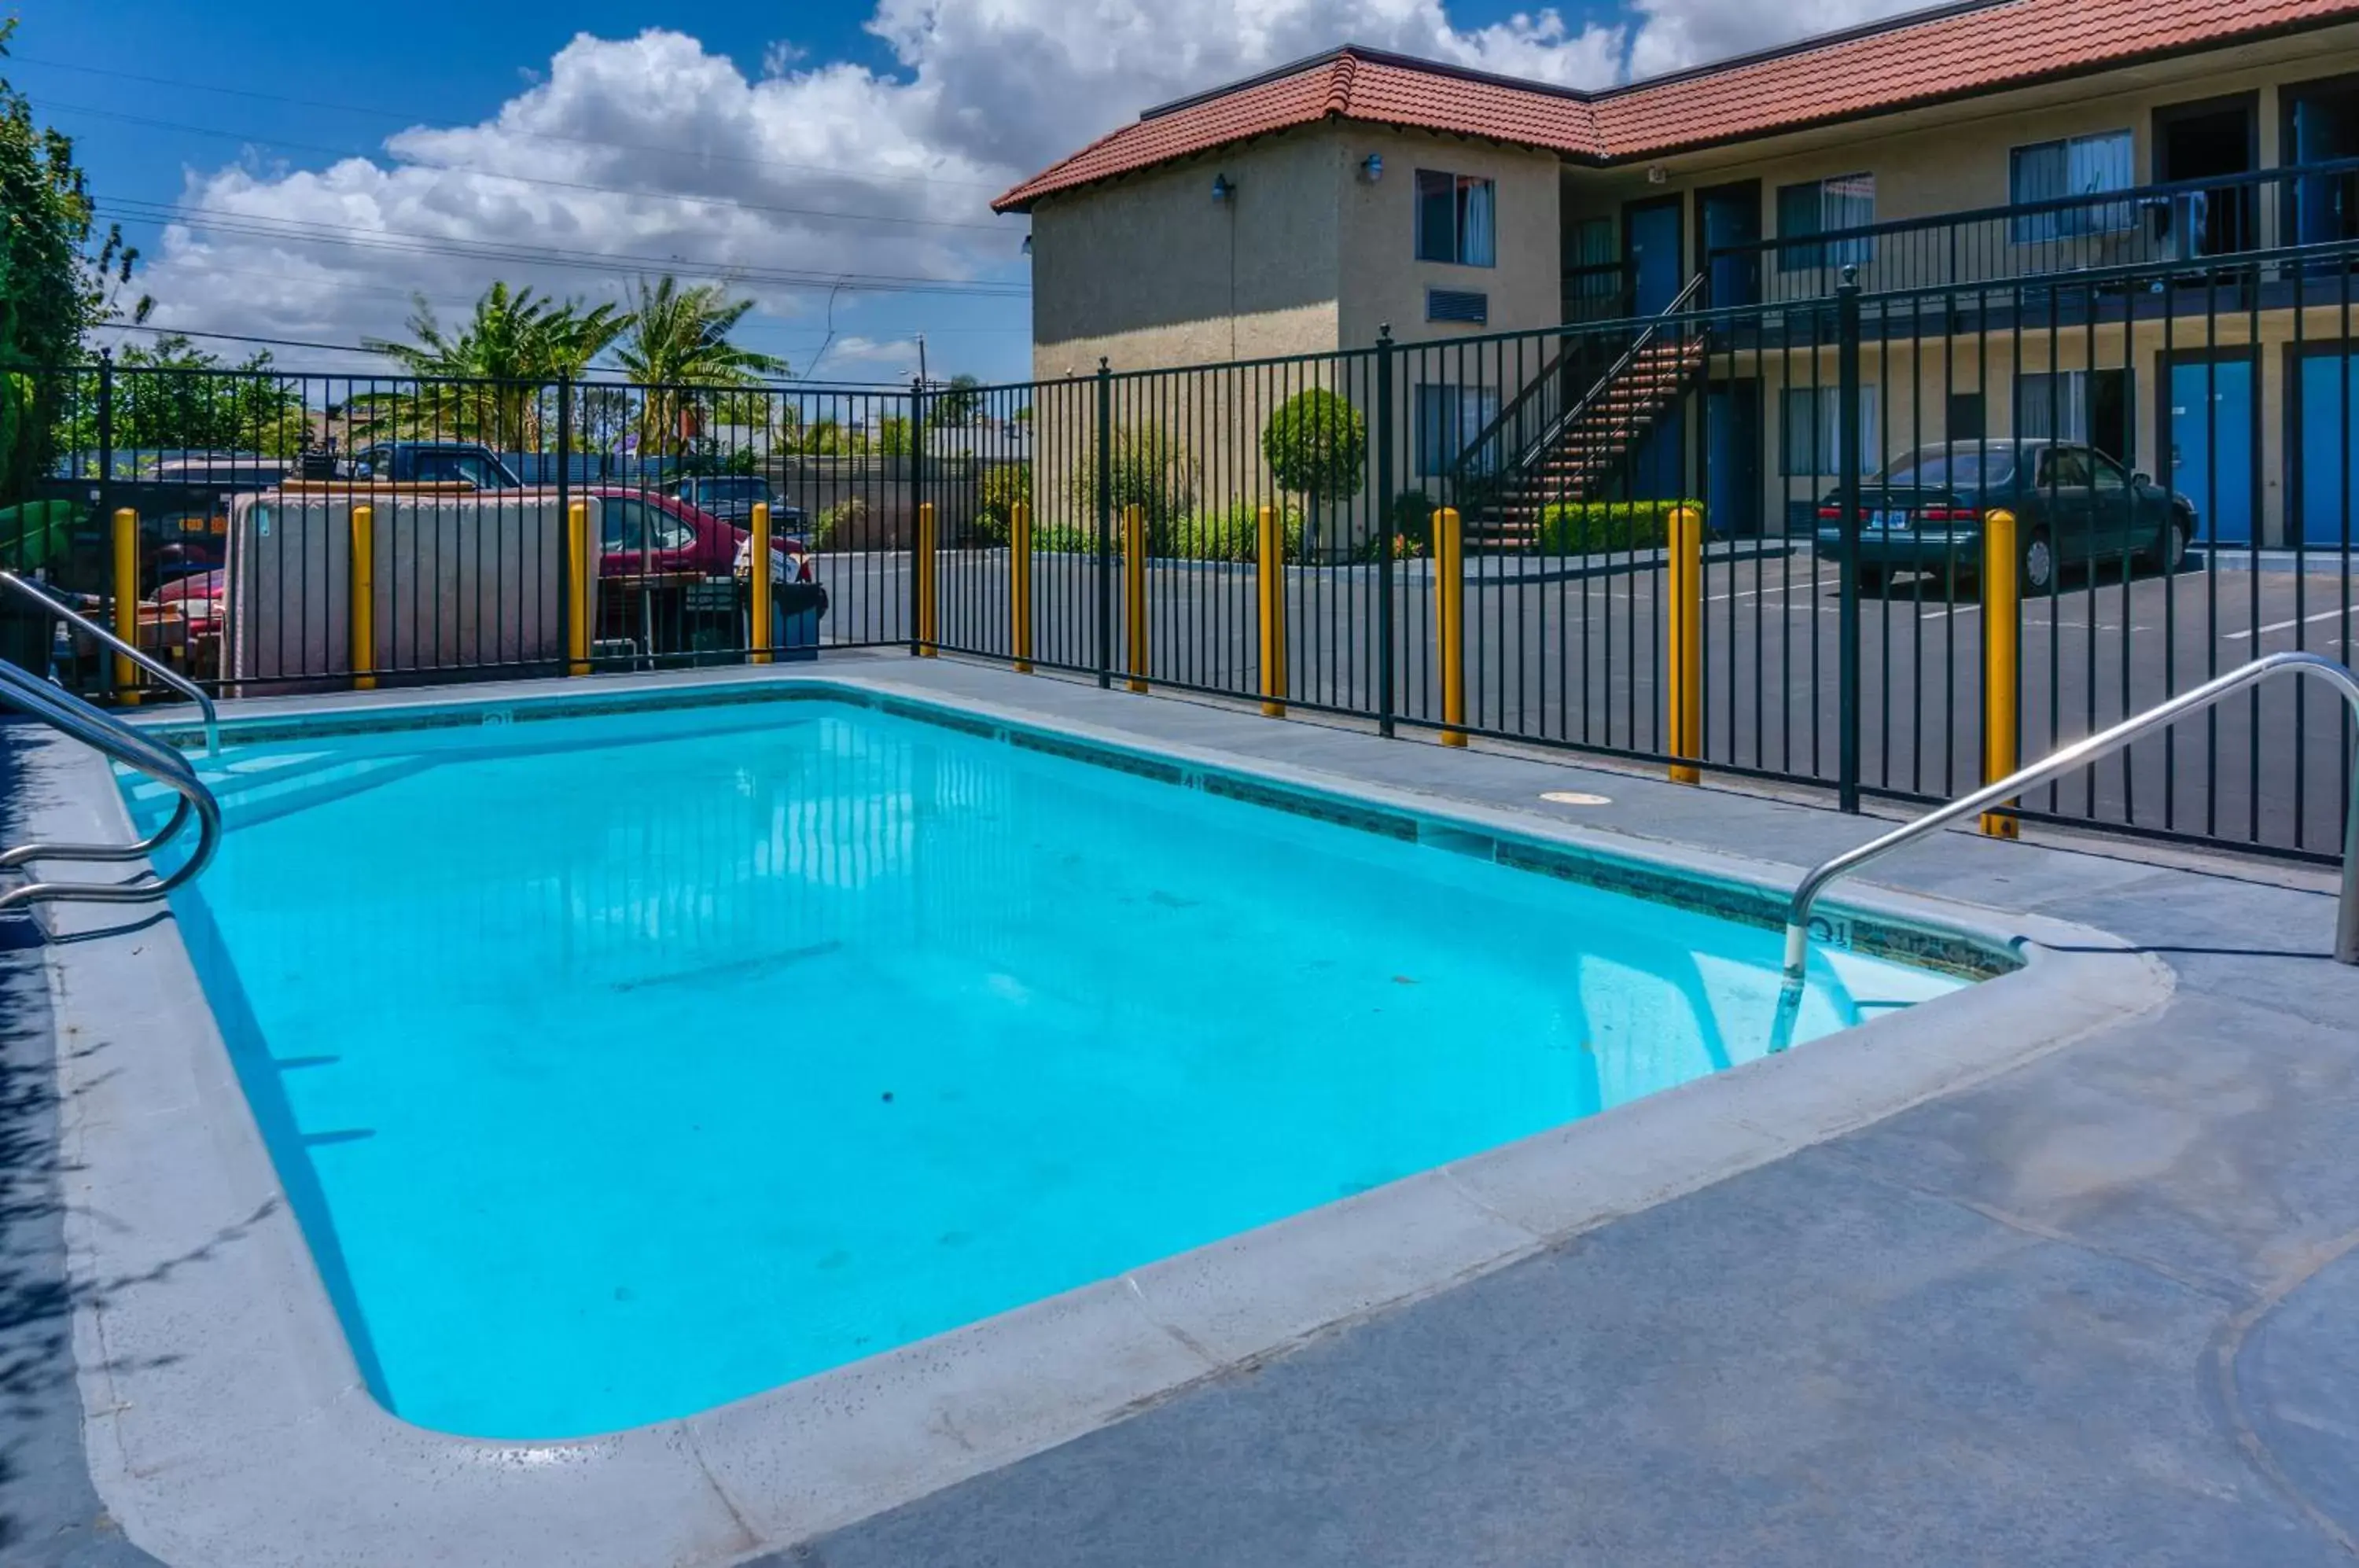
1955,51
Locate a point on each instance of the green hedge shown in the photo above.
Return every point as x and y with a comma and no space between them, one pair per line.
1233,534
1595,527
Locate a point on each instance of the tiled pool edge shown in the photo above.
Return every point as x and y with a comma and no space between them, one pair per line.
210,1457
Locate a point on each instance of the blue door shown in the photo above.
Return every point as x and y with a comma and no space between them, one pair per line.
1734,438
2326,460
1651,231
1731,217
2212,446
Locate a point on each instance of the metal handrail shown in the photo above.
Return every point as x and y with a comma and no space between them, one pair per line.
2081,752
62,711
152,664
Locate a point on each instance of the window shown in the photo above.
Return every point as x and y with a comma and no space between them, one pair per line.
2087,405
2109,474
2064,468
1592,271
2057,172
1960,465
1814,440
629,525
1448,418
1826,207
1456,218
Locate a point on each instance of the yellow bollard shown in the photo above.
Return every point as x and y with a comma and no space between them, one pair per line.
1019,584
1684,663
581,570
1133,592
1450,620
925,566
2002,658
126,603
360,613
757,585
1269,552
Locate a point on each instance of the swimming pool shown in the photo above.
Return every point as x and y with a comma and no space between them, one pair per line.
623,1064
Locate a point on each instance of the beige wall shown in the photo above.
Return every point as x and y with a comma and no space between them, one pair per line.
1150,271
1382,281
1953,158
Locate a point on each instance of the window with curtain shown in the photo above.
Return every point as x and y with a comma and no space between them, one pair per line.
2059,170
1448,417
1457,218
1812,442
1821,207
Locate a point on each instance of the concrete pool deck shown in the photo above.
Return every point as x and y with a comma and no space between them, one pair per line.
2079,1304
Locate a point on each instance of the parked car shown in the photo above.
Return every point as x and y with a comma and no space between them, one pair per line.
732,498
184,505
435,462
2072,505
644,531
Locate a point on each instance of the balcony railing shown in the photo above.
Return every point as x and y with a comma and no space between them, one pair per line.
2186,221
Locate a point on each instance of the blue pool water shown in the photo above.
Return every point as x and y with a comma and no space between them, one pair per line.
681,1055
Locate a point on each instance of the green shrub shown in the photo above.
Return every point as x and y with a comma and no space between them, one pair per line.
1316,445
1149,470
1064,538
1004,487
1595,527
1232,533
838,524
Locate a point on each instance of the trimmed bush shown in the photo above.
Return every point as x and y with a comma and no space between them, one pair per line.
1596,528
1316,445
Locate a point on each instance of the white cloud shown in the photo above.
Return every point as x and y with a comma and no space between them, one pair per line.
986,92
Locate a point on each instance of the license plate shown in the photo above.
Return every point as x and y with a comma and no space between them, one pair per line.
1890,522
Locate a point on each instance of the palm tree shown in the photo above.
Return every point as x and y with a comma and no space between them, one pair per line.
679,340
485,381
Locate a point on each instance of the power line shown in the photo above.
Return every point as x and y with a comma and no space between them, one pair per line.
407,242
819,212
240,337
415,119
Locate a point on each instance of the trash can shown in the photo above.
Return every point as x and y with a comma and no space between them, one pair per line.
795,610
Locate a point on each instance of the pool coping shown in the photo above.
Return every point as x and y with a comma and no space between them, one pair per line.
223,1405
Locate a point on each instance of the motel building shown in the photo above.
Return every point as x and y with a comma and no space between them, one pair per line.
2132,225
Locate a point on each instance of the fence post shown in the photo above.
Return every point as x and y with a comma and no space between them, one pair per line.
1105,523
1450,620
105,431
581,580
1019,585
565,444
1847,478
921,562
2002,659
1384,504
360,613
1269,585
126,603
1684,696
925,644
1134,593
759,597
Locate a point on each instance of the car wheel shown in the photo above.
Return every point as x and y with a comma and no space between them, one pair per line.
2169,552
2039,564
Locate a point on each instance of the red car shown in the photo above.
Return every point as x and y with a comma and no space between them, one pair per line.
639,531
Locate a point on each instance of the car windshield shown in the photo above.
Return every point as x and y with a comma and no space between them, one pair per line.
1951,468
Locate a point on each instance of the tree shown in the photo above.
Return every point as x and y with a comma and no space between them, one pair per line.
487,381
1316,447
957,404
52,288
678,343
893,437
1150,470
172,396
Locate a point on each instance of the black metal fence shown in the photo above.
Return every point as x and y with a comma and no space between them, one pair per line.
2176,439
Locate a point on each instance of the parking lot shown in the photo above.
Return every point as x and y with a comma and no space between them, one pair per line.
1572,651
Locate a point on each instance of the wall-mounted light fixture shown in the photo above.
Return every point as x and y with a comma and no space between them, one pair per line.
1656,174
1372,168
1222,188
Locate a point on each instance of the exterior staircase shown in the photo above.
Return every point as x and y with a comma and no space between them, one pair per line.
1551,448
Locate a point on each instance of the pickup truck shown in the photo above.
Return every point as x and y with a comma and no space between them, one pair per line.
435,462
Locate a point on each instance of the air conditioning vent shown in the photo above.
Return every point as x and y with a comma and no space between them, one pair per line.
1457,305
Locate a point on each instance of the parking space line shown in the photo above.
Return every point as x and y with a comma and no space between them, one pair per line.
2250,632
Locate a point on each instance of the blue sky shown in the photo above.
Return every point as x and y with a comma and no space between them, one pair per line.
827,158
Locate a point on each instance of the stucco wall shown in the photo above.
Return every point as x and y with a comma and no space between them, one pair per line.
1150,271
1382,278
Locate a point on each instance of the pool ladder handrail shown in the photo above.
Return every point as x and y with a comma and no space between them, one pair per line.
26,589
2055,766
94,727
